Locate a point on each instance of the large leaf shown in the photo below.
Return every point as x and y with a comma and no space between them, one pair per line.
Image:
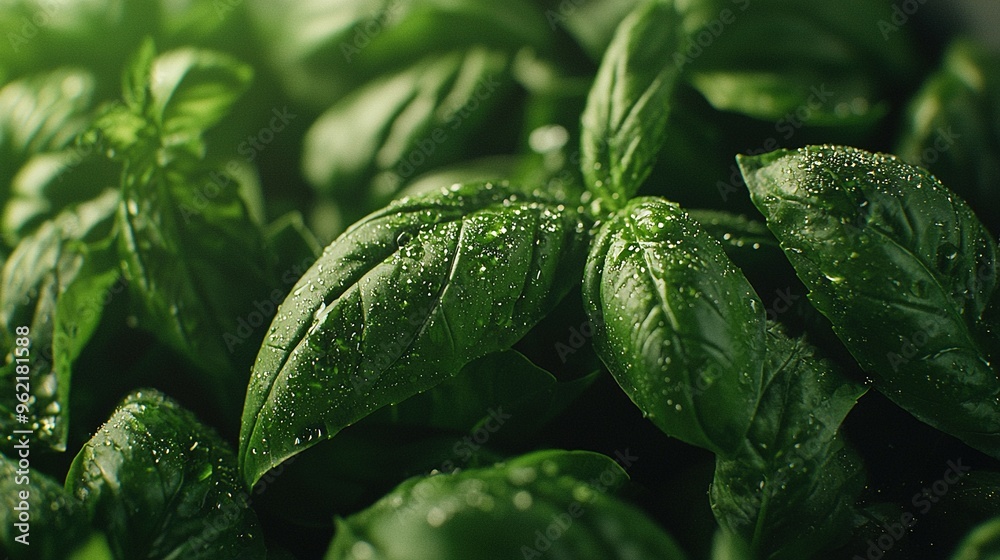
549,504
55,284
39,520
625,120
322,50
792,488
952,127
402,124
154,457
677,324
401,302
903,270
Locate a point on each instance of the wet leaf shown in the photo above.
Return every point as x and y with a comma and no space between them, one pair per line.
554,504
902,268
401,302
677,324
154,457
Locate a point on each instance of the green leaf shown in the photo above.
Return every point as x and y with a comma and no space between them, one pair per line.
403,124
41,113
677,324
351,42
55,523
54,283
200,268
952,127
811,63
624,122
903,270
400,302
192,89
154,457
792,488
551,504
502,387
982,543
50,182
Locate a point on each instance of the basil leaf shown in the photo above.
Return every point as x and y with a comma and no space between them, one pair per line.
50,182
39,520
813,59
154,457
952,127
41,113
54,283
677,324
185,237
624,122
190,90
399,303
792,488
547,506
402,124
503,388
903,270
351,42
982,543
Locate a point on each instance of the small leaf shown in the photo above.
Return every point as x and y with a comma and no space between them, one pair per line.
154,457
54,525
792,488
54,283
677,324
191,89
43,113
545,504
401,302
902,268
624,122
